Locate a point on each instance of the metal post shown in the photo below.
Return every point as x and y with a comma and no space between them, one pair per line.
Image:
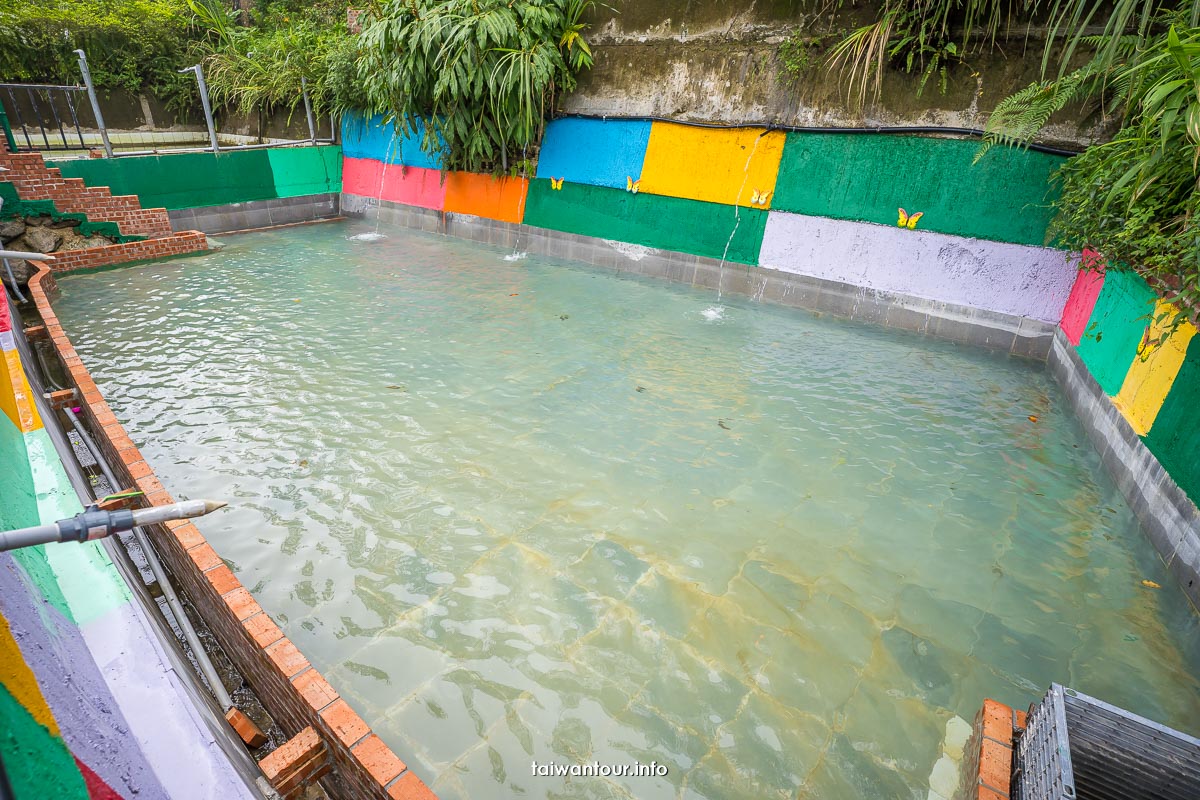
312,127
91,90
208,117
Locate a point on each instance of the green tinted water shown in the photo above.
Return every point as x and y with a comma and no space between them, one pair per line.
519,510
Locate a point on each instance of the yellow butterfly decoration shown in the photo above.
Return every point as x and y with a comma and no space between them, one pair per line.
907,221
631,185
556,185
760,198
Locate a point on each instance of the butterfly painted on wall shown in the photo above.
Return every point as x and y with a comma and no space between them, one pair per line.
909,221
631,185
556,184
760,198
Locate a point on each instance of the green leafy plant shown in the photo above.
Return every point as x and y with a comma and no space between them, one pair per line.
133,45
475,79
1133,199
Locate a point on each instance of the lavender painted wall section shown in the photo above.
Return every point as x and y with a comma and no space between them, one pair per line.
1013,279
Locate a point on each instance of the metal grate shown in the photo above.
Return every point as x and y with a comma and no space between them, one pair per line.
1076,747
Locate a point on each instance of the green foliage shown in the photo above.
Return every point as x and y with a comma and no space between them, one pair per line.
135,45
1134,199
798,53
480,75
265,64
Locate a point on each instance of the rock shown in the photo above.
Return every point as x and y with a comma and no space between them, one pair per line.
21,270
37,221
72,240
43,240
64,223
10,229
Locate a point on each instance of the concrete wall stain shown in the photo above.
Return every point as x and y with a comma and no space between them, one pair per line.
1008,278
670,223
599,152
1004,197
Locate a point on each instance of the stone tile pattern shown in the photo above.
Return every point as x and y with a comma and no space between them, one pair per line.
295,694
988,759
35,181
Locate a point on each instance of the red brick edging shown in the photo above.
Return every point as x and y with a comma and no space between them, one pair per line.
176,244
295,694
988,758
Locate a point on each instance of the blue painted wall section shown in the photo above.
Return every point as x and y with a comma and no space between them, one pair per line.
371,137
598,152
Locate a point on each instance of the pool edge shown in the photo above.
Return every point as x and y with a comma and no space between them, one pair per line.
295,693
1169,519
1018,336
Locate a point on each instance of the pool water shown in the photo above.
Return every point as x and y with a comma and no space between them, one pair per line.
521,510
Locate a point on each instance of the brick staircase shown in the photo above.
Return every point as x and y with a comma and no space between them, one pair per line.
33,180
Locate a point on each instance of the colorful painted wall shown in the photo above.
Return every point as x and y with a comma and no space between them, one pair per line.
825,205
69,729
1146,359
192,180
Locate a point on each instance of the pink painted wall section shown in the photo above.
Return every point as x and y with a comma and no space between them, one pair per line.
412,186
1080,304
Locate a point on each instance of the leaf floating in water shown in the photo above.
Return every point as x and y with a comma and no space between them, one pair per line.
304,462
721,422
641,388
1033,418
295,299
1129,637
398,386
514,294
564,316
1151,584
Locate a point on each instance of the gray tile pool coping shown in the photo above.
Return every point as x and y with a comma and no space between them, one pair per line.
256,213
1168,517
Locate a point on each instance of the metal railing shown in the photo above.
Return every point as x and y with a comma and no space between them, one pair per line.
59,117
43,117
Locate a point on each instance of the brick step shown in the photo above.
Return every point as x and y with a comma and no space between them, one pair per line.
35,181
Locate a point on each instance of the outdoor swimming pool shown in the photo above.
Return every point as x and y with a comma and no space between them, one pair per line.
519,510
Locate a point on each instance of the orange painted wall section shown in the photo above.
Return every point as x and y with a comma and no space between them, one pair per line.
485,196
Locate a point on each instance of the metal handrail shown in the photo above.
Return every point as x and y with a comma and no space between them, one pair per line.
64,87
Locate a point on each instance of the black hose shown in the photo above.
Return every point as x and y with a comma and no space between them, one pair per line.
775,126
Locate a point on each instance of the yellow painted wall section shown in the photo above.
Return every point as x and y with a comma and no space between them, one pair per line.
710,164
18,679
1154,369
16,398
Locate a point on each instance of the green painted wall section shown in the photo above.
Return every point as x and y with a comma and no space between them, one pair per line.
191,180
671,223
77,579
18,506
38,763
1004,197
306,170
1175,436
1115,330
